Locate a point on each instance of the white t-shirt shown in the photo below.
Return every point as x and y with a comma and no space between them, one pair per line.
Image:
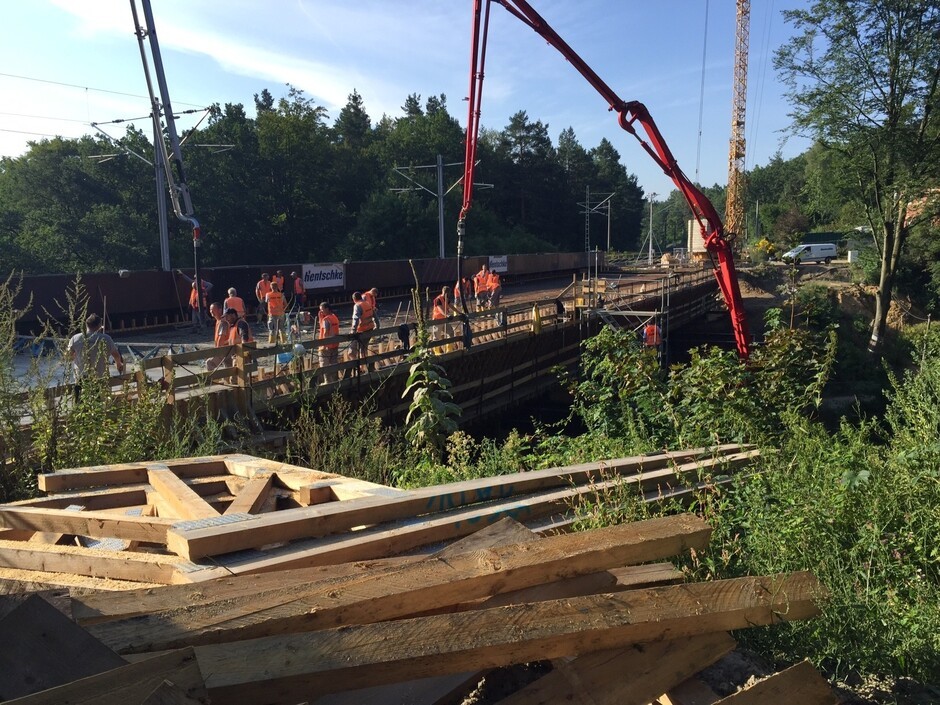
90,352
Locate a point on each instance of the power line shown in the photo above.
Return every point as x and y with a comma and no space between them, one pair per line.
84,88
44,117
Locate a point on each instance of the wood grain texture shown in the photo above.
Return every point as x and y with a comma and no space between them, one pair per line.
293,667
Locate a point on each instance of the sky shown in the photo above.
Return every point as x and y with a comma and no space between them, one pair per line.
65,64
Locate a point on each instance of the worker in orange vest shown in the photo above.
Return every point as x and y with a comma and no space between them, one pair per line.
239,328
363,324
481,284
235,301
652,335
262,289
495,287
440,311
372,297
300,293
194,305
220,336
278,279
277,315
328,353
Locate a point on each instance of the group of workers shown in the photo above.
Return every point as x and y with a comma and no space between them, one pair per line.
277,295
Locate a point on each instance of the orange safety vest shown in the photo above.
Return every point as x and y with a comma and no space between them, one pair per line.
262,289
367,320
277,306
492,282
245,335
299,289
194,299
441,308
367,296
329,326
481,281
279,281
237,303
651,335
222,333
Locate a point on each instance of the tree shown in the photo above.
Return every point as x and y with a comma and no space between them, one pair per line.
862,77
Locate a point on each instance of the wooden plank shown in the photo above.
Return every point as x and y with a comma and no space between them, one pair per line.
437,689
126,473
196,542
90,609
370,654
13,580
692,691
413,588
139,567
128,684
388,539
168,694
252,497
98,524
186,503
44,648
54,537
798,684
634,675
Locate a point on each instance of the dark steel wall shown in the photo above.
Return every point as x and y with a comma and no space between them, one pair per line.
152,293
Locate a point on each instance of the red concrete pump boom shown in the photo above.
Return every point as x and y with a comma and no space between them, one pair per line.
629,114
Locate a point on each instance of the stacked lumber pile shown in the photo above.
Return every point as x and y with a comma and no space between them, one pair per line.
322,589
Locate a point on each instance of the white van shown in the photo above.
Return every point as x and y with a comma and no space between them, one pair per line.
811,253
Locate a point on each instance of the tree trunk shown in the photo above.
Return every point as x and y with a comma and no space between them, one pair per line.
893,242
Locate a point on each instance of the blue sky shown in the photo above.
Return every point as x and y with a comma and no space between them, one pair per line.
225,51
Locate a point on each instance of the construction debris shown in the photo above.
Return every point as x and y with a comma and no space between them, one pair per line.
329,590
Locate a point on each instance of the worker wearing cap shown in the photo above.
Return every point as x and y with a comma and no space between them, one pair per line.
239,328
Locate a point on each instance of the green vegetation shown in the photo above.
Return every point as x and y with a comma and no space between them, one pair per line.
298,187
96,427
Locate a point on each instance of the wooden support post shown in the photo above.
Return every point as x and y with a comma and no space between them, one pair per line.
169,377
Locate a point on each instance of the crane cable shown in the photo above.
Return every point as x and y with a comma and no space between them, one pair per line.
701,98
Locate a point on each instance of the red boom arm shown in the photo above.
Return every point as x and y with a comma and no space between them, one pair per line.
628,113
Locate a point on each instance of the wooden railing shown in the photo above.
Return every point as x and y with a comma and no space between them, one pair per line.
266,373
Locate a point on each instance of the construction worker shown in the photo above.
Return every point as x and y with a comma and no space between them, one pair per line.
278,279
194,304
440,311
262,289
89,353
481,283
372,297
463,293
277,314
239,328
300,293
495,287
363,324
652,334
329,353
235,301
220,335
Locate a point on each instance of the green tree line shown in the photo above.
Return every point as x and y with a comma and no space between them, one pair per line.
289,184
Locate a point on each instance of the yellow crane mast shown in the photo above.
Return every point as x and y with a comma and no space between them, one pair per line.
734,204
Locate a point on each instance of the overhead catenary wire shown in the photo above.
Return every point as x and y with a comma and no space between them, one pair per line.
84,88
